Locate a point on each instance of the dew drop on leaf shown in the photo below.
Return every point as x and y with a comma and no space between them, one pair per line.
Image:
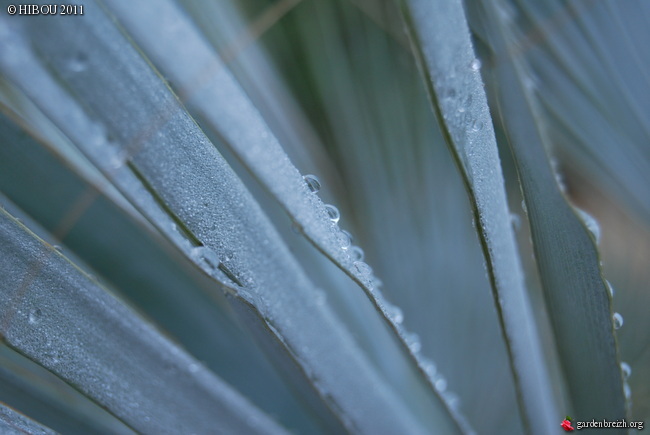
452,399
626,370
356,253
591,223
618,320
312,183
413,342
78,63
441,384
430,369
350,236
627,391
118,159
395,313
343,238
333,213
475,65
362,268
206,258
35,316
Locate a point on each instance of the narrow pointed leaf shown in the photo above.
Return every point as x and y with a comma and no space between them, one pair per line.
142,266
38,393
208,88
163,164
576,295
403,198
441,43
95,343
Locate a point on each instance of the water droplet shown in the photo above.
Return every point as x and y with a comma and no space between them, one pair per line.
452,399
430,369
475,65
350,236
591,223
333,213
627,391
35,316
413,342
626,370
118,159
523,206
356,253
461,109
395,313
515,220
57,248
206,258
610,289
78,63
362,268
343,238
193,368
440,384
312,183
477,125
618,320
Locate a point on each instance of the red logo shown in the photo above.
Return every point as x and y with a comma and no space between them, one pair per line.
566,424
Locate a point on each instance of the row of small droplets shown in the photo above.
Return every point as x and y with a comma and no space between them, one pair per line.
392,312
626,370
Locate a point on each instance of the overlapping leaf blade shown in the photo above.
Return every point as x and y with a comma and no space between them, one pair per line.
95,343
389,155
567,258
210,91
34,391
441,42
142,266
252,260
